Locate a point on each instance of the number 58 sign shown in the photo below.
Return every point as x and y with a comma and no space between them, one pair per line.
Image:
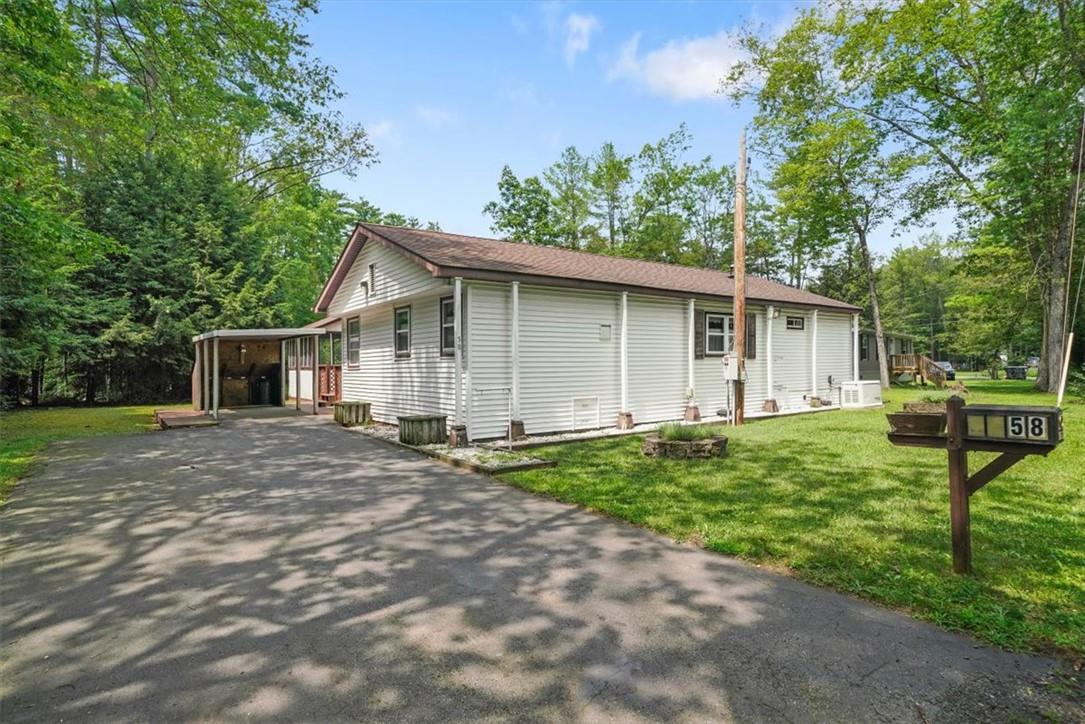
1038,425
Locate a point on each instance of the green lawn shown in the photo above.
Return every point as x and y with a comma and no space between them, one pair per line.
828,498
25,433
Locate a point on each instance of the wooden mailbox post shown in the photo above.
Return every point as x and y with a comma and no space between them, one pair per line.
1014,431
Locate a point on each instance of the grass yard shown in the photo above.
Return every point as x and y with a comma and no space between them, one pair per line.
828,498
25,433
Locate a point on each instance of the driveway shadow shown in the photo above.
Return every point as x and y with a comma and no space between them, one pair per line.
286,569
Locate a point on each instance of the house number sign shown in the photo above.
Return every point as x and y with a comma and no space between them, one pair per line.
1035,425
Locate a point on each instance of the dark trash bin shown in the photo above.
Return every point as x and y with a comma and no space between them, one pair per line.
261,391
1016,373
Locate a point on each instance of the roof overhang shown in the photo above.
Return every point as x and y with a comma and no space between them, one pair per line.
259,334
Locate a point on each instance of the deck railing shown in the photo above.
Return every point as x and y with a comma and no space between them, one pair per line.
918,364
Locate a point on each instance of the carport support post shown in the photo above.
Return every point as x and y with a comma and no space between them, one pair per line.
205,371
314,345
215,381
297,374
284,382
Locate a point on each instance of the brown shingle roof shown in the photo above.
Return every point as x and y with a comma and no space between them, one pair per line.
474,257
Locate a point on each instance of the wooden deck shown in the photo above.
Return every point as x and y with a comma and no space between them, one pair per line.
922,367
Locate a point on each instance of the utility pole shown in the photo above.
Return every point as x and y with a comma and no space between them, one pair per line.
740,281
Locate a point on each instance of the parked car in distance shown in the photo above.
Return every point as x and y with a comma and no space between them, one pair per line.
951,374
1033,361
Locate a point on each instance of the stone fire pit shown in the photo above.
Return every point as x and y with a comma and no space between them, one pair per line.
711,447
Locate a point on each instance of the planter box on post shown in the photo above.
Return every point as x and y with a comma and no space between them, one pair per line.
423,429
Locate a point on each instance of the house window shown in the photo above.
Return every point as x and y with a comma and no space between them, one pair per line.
864,347
448,327
354,340
719,335
402,327
798,323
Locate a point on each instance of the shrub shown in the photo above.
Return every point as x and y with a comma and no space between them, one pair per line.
676,431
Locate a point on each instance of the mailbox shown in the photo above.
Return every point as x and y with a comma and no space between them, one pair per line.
1009,423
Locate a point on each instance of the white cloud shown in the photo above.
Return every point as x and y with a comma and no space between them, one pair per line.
383,130
683,70
578,32
435,117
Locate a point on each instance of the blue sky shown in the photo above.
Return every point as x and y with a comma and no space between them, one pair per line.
450,92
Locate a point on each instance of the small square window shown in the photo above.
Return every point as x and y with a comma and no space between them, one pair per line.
402,329
798,323
719,334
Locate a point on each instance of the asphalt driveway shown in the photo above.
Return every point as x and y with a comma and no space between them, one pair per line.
287,569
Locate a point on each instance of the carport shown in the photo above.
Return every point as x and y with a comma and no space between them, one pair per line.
248,367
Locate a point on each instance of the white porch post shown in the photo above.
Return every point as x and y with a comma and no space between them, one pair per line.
457,333
623,351
814,354
314,347
466,362
297,374
855,346
215,381
690,351
515,352
770,393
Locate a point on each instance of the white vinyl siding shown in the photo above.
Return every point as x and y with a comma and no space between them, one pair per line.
415,385
393,277
658,354
791,361
562,357
834,352
488,344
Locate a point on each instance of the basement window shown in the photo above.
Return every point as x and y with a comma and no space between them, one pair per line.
796,323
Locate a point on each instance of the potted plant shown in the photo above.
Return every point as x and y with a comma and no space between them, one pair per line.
926,416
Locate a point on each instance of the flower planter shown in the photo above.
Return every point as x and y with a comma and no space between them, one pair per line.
712,447
939,407
917,423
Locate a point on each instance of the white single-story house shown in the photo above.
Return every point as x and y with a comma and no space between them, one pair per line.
489,332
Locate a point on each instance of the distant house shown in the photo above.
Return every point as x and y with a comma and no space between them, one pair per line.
895,344
487,331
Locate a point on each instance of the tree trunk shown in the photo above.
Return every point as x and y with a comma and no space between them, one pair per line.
1057,285
875,310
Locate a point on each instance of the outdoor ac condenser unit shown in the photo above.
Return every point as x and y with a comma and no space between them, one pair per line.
861,393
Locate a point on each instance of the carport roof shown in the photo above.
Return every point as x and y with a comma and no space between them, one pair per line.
252,334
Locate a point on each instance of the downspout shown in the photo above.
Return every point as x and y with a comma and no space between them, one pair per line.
855,346
215,381
814,355
692,413
516,424
770,393
625,417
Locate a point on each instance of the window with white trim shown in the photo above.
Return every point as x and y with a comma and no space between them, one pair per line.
864,347
719,336
448,327
796,323
401,317
353,346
